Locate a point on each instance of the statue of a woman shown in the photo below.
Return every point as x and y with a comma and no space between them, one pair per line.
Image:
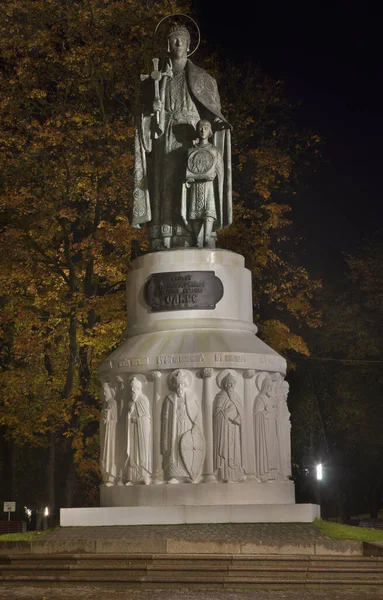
174,99
265,433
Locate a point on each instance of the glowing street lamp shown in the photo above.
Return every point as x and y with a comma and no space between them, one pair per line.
319,471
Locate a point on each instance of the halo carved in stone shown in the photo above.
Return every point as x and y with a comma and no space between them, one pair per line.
222,374
185,373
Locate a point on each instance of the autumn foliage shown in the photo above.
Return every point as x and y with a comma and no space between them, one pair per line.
69,79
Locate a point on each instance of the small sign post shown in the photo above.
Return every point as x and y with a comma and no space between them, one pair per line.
9,507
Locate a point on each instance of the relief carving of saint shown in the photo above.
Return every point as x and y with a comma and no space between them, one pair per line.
265,432
108,435
283,429
139,439
182,442
228,439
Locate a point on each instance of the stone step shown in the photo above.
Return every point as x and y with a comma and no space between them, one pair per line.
155,571
190,561
173,571
203,582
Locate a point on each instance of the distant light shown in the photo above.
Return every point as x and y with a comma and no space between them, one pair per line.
28,511
319,471
46,511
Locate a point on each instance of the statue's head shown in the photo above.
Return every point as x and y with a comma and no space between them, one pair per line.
204,130
284,389
179,382
178,41
267,386
108,391
229,382
135,386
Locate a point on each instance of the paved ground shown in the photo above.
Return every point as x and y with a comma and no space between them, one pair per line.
83,593
265,533
213,538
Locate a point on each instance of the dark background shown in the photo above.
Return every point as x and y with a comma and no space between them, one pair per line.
330,61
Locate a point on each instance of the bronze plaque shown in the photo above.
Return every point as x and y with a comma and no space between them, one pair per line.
183,290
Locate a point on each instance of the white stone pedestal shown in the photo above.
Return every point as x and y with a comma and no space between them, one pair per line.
195,426
176,515
186,494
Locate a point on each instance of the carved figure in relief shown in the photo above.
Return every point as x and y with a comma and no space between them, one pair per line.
182,442
265,432
108,435
120,447
202,190
283,428
139,446
228,424
175,96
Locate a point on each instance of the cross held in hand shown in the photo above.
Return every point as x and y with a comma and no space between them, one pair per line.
156,75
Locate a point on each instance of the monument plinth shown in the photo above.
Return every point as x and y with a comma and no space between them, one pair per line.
195,424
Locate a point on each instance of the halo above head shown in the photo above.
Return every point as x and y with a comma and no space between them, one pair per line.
260,378
108,388
120,382
187,17
140,378
134,382
188,377
222,375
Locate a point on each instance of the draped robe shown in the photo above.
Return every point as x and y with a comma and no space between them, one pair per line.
265,437
108,439
139,440
284,436
228,442
161,152
179,415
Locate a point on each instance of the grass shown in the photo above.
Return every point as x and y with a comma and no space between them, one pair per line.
28,536
336,531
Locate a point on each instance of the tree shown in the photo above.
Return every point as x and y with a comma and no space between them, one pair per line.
345,417
69,79
69,72
269,154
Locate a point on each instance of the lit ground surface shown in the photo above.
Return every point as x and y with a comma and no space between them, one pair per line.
83,593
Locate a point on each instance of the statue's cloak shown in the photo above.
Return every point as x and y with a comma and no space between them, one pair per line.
139,459
203,88
266,447
221,409
169,418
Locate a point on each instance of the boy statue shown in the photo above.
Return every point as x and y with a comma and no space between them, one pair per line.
201,193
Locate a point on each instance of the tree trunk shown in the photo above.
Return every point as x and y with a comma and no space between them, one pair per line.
7,471
51,477
70,484
373,499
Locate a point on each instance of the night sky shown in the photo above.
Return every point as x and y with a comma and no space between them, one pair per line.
329,58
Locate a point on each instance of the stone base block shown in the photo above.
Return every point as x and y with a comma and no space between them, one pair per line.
175,515
186,494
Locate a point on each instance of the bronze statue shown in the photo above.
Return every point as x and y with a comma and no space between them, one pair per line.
203,190
182,95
